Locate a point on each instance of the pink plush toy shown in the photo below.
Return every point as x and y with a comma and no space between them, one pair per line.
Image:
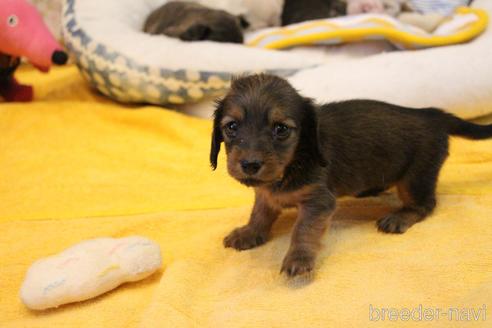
24,34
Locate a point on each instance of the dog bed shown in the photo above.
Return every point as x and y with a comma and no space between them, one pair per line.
130,66
127,65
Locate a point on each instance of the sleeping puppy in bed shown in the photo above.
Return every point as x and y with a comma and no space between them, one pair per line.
295,11
193,22
294,152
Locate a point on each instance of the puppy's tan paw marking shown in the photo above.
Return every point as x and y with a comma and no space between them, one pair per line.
298,263
245,238
394,223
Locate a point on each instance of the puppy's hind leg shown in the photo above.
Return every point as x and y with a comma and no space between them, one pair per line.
256,232
417,191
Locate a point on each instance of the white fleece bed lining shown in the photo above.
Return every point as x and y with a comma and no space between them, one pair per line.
130,66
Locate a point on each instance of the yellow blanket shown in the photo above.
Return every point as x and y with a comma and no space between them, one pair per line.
75,166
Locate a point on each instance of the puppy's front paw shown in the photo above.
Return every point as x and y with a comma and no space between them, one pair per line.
298,262
245,238
394,223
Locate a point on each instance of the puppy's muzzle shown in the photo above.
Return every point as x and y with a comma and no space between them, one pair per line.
251,167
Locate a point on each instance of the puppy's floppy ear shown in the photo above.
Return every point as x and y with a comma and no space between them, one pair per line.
243,22
310,132
217,137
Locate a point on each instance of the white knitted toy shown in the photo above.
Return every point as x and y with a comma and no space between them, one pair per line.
425,14
87,270
394,7
258,13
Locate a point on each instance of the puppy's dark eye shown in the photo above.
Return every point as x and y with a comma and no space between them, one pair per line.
231,129
281,131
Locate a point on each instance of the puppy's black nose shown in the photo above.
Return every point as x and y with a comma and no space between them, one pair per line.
251,167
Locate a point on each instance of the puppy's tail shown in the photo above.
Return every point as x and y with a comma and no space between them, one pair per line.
458,127
469,130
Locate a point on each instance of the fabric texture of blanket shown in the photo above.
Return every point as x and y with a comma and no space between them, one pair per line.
465,25
76,166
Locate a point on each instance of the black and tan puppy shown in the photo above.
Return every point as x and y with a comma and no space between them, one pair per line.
296,153
193,22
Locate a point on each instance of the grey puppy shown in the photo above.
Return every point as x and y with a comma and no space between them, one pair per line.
193,22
